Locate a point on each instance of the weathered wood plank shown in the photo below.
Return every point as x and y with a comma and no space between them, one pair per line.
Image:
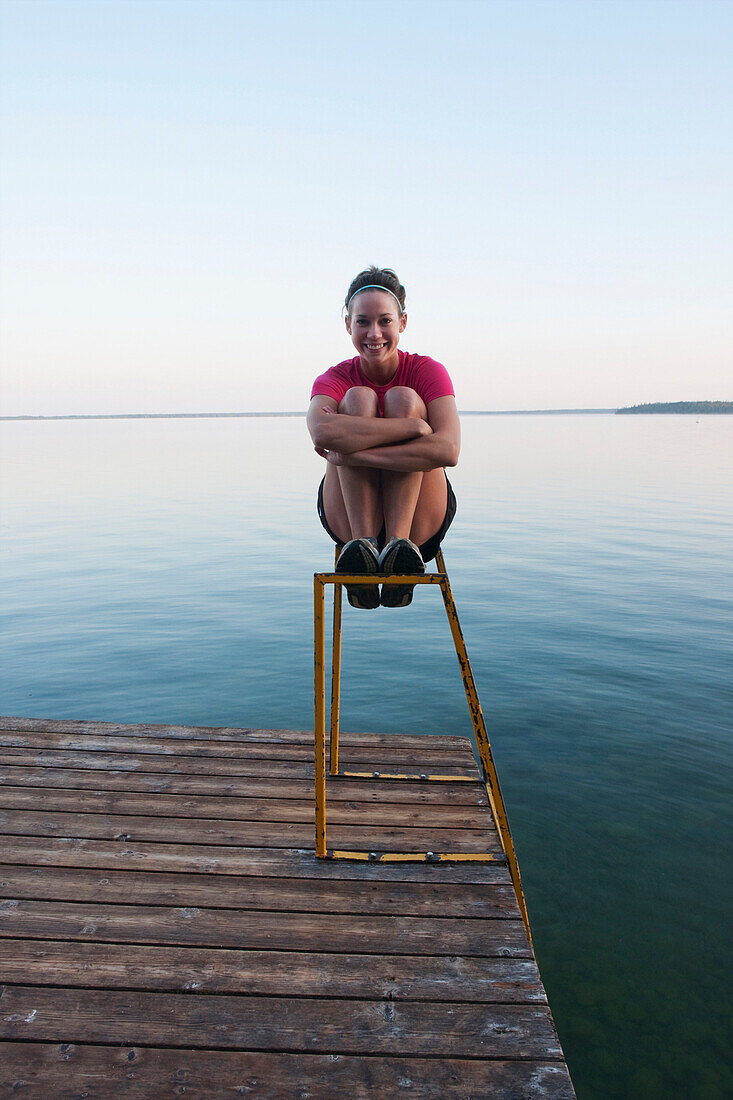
146,1072
231,733
409,899
377,755
274,834
270,973
239,939
404,815
262,929
203,859
47,769
198,764
279,1024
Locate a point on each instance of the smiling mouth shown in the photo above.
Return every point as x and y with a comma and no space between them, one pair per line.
374,347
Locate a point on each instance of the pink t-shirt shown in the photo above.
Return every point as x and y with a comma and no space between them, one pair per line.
426,376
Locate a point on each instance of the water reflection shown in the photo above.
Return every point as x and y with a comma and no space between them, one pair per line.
160,571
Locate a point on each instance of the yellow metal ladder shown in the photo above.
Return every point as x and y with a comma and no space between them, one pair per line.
486,760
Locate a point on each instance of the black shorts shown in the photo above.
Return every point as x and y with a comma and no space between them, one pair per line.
428,549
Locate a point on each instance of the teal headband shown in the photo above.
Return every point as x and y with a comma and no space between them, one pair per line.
374,286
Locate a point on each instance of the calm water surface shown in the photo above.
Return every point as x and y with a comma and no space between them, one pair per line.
160,571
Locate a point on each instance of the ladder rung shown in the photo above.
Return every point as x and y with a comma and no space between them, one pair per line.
378,578
423,777
415,857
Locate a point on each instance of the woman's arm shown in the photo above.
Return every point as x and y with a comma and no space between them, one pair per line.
334,431
440,448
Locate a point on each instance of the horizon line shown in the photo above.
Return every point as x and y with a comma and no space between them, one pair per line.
232,415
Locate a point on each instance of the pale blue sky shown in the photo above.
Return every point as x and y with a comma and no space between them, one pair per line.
188,188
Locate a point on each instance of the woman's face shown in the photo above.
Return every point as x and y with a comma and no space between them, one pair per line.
374,324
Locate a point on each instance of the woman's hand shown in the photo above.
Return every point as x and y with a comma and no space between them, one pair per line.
421,427
349,434
334,457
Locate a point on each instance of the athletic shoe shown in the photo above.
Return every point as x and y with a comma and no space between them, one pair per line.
360,556
399,556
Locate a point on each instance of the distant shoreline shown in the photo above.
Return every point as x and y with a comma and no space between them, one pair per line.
235,415
684,407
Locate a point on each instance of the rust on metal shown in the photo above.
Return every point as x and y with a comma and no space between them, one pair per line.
488,768
338,593
422,777
415,857
320,716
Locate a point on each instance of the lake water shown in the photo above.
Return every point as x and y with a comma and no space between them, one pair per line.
160,570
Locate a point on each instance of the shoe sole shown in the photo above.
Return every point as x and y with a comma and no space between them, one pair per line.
401,560
358,560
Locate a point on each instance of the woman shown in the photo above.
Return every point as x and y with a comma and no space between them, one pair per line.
387,424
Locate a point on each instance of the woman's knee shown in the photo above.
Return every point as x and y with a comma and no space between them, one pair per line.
359,401
404,401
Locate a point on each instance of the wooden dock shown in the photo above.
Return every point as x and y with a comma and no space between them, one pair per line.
166,930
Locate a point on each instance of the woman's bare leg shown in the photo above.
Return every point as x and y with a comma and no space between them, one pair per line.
351,494
357,506
414,503
432,505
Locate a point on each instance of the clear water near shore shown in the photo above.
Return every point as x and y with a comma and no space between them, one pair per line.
160,571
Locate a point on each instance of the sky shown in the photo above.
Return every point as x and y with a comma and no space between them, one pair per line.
187,189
